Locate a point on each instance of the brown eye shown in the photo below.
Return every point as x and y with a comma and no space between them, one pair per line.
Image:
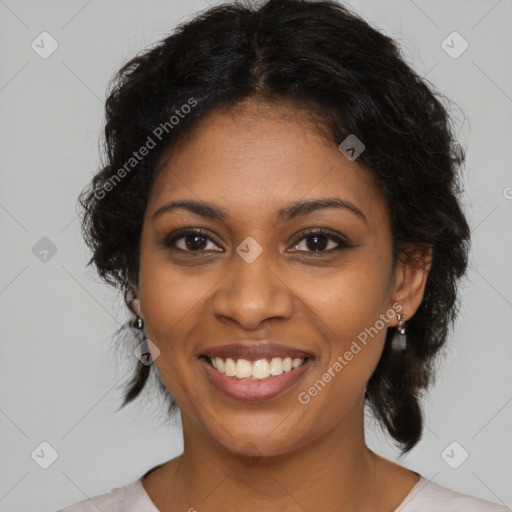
320,241
190,240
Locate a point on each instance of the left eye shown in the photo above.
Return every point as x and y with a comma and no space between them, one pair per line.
319,242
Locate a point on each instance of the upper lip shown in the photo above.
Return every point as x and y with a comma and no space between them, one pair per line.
252,351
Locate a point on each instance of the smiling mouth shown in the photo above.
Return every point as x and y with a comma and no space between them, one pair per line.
260,369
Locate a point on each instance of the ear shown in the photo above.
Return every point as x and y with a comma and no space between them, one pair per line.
411,274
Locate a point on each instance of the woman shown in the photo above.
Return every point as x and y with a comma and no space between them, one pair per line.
279,207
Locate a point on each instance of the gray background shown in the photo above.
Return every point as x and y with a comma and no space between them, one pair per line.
59,378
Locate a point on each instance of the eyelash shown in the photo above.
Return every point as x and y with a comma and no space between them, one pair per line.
182,233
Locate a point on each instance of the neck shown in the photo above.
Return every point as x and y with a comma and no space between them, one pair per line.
336,471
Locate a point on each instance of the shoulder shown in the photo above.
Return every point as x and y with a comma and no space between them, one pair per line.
109,502
131,497
428,496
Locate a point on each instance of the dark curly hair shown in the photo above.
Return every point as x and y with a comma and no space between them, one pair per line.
327,61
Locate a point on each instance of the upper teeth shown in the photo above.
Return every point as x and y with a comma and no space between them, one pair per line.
260,369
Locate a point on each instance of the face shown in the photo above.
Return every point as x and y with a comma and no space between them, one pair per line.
255,276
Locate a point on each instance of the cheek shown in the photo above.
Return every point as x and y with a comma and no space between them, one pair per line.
170,297
170,316
172,310
348,299
169,304
349,308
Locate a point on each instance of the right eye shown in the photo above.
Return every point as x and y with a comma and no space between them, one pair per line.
188,240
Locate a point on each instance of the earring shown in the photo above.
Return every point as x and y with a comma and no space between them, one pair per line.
139,323
399,342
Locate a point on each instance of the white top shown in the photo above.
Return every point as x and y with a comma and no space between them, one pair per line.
425,496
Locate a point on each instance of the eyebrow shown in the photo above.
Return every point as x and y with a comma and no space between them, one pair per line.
290,212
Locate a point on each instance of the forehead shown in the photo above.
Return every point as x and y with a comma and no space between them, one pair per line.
257,158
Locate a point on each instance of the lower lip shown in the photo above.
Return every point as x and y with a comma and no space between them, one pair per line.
254,390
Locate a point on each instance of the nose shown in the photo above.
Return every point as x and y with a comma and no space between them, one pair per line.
252,293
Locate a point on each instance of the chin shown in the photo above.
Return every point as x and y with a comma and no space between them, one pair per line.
260,443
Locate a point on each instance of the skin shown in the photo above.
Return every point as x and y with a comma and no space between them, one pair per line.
278,455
